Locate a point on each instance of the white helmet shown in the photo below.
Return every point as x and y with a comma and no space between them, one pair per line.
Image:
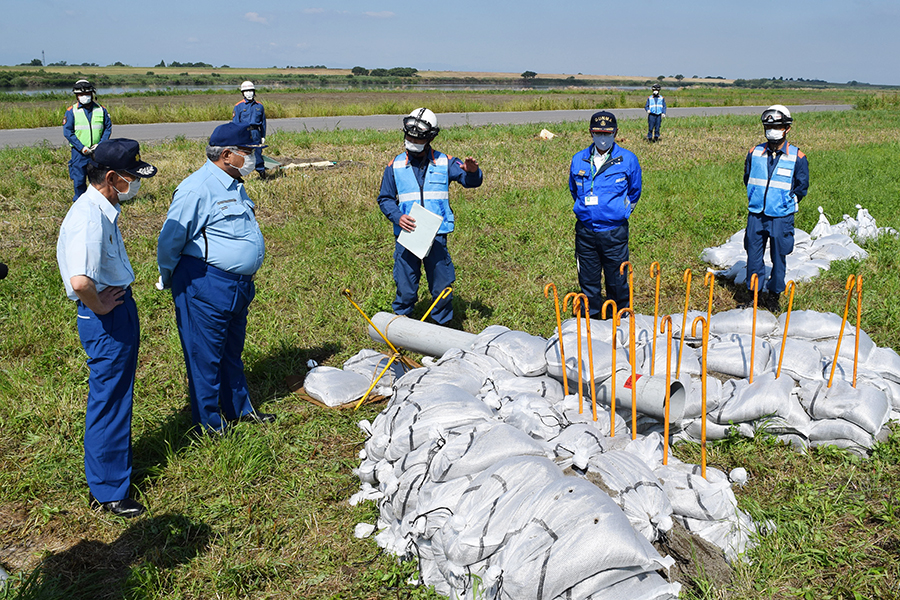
247,86
421,124
777,114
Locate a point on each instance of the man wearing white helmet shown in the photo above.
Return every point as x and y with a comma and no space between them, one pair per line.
777,178
85,125
422,175
250,112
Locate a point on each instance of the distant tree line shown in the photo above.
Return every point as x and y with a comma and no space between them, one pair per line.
395,72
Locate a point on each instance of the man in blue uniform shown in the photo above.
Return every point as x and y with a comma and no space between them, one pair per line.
97,275
656,110
209,249
422,175
605,183
777,178
86,124
251,113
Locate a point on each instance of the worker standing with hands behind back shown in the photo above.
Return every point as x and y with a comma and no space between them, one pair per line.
656,110
250,112
86,124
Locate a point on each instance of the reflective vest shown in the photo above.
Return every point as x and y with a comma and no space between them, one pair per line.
433,195
655,104
84,130
773,196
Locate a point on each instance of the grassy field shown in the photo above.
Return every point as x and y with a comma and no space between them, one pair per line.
262,513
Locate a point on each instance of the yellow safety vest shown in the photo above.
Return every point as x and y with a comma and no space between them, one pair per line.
84,131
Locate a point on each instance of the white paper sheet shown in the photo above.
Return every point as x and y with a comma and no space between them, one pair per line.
427,224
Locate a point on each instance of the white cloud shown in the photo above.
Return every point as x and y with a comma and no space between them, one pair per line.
385,14
255,18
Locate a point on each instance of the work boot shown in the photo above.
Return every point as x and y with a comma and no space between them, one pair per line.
772,302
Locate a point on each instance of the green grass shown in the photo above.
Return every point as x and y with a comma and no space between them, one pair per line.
263,513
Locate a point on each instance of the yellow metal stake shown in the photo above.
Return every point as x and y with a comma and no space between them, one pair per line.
612,388
705,349
562,355
577,314
664,326
630,281
851,282
686,278
655,274
791,286
709,280
631,348
754,283
858,322
590,344
444,293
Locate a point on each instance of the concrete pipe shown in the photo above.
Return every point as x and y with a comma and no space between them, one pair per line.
416,336
651,396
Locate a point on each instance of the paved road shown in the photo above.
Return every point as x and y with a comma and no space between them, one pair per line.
167,131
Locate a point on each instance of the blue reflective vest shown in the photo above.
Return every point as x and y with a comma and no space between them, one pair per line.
656,105
772,196
433,195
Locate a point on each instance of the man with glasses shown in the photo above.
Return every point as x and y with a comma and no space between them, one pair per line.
97,275
209,249
422,175
777,178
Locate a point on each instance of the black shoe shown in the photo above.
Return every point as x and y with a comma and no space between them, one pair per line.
257,417
772,302
126,508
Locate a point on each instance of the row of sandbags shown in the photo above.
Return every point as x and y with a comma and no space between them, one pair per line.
466,463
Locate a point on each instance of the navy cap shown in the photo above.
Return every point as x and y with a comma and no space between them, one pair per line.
122,154
603,122
232,134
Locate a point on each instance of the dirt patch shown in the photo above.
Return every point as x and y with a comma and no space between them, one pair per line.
695,559
23,542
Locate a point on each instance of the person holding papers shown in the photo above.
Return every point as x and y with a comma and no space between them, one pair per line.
421,176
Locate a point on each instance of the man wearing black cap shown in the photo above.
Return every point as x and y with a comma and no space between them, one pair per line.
85,125
605,182
97,275
209,249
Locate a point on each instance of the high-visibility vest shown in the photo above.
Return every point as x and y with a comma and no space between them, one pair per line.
772,196
433,195
88,133
656,105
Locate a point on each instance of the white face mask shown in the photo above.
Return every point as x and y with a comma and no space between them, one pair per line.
414,148
604,141
249,95
85,99
131,192
655,92
774,135
248,166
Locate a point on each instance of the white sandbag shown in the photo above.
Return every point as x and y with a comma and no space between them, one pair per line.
503,385
534,415
584,413
740,320
766,396
734,536
455,373
828,431
617,584
690,361
335,387
519,352
886,362
601,353
811,324
715,431
472,451
833,252
848,345
793,420
865,405
693,388
823,227
370,363
576,444
484,366
633,486
803,272
677,319
802,359
693,496
731,355
725,255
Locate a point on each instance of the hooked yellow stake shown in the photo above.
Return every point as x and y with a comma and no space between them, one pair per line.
704,349
633,380
754,283
655,274
851,282
577,314
375,382
346,294
590,344
791,286
444,293
686,278
858,322
612,387
630,281
709,280
666,325
562,355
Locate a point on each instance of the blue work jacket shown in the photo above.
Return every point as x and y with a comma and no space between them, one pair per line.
605,197
253,114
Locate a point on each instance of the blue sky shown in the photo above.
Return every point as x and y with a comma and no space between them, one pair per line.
813,39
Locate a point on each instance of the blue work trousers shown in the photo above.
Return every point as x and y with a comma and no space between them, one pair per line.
256,136
779,232
599,254
211,314
439,272
78,172
653,123
111,343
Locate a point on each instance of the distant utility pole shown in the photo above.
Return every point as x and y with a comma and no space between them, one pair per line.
43,59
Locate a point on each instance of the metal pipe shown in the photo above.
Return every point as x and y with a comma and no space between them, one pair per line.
615,330
687,299
416,336
655,311
562,355
787,321
851,282
705,349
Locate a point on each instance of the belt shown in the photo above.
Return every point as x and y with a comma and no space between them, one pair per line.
198,263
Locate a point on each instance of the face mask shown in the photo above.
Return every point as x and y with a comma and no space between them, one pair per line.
131,192
604,141
774,135
84,99
248,166
655,93
248,95
414,148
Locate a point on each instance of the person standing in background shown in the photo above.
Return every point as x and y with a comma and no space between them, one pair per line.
251,113
656,110
85,125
